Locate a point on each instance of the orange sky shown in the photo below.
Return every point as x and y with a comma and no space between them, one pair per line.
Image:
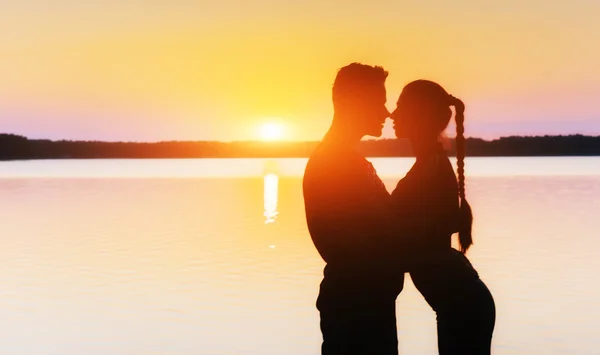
140,70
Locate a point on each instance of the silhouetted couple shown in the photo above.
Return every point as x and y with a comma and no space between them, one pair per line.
369,238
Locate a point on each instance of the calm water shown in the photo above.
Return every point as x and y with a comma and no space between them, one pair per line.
213,257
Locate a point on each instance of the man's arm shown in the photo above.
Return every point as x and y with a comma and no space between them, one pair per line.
345,210
352,222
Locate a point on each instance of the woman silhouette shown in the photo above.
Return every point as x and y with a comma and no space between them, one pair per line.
430,205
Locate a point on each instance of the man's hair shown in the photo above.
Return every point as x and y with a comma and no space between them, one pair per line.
357,77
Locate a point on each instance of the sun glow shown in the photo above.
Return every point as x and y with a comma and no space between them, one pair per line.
271,131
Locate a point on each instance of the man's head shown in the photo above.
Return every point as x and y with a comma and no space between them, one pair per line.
359,98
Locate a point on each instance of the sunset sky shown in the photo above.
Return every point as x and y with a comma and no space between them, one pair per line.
219,70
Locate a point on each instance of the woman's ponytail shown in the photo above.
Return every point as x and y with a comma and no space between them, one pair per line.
466,216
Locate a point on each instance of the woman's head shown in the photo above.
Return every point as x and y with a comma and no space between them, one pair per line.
422,111
422,114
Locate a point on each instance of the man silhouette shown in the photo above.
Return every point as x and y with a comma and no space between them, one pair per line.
348,214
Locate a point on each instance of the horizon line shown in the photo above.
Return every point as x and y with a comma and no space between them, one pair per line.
273,142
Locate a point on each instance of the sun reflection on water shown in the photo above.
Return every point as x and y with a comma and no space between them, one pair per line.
271,182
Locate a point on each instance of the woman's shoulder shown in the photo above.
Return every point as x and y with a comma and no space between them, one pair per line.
426,169
431,174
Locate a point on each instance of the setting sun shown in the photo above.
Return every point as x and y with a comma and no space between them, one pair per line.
271,131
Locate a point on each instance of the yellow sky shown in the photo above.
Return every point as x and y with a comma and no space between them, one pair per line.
144,70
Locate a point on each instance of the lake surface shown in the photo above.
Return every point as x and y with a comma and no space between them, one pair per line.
212,256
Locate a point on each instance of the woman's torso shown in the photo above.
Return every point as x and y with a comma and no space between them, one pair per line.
427,200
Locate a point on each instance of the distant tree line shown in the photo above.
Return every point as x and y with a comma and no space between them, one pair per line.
19,147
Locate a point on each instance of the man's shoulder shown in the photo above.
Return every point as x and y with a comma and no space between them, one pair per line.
329,170
331,161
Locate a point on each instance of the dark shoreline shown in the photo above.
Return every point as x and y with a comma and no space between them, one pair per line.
14,147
